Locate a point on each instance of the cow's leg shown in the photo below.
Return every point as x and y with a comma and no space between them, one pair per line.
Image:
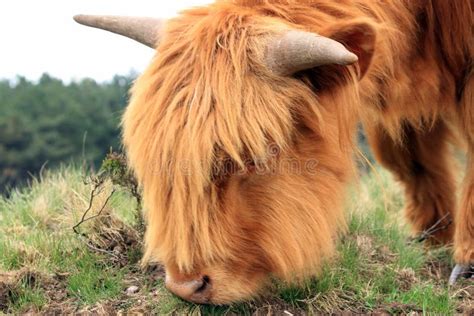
422,163
464,238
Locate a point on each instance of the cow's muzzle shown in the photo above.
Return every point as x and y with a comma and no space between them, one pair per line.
196,290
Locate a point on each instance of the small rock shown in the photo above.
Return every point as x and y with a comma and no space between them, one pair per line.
132,290
118,250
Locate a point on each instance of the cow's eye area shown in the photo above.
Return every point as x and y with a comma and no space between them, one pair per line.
250,167
223,169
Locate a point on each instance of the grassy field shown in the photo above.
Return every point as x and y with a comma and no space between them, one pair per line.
46,267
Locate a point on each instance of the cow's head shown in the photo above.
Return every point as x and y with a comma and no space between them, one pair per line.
240,134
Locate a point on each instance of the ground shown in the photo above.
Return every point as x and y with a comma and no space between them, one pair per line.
46,267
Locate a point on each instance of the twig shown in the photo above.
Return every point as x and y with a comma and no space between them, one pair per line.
101,209
114,169
107,252
434,228
83,237
84,219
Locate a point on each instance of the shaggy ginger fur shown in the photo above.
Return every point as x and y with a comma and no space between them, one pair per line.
210,133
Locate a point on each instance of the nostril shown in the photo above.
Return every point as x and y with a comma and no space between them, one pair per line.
205,282
196,290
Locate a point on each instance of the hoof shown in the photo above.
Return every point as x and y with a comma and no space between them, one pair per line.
461,271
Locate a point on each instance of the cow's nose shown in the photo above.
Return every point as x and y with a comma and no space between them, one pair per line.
196,290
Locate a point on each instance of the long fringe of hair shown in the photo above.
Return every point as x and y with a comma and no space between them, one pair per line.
207,95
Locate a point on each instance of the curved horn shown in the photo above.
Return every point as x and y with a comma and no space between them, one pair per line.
299,50
142,29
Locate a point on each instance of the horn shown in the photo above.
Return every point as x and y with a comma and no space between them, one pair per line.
142,29
298,50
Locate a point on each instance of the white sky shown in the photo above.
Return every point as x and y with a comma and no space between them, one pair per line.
38,36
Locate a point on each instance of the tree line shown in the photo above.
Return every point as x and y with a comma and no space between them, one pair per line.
49,122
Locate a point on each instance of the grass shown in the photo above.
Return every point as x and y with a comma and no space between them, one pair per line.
26,296
92,281
45,267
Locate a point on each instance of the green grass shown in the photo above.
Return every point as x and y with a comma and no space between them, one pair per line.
377,268
25,296
35,233
92,282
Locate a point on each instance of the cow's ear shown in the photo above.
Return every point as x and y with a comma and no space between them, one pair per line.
359,37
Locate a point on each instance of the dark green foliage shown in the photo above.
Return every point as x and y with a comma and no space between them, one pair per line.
49,122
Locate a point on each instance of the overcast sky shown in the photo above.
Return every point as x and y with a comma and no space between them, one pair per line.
40,36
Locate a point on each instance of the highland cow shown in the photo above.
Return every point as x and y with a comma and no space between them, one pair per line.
239,88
